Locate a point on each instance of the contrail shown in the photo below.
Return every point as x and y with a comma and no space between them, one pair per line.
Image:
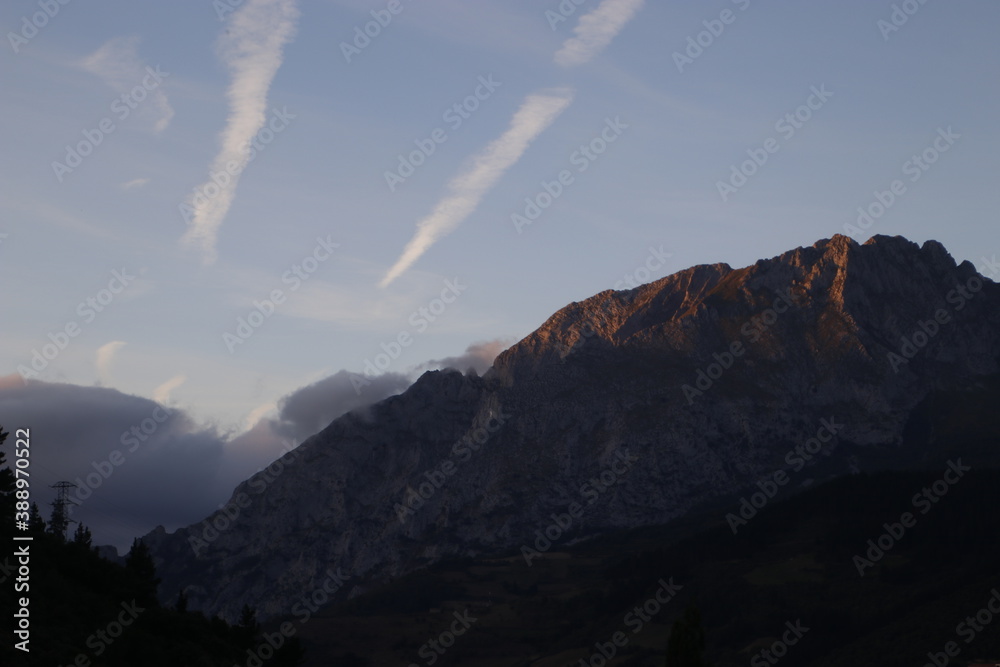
466,190
595,31
252,48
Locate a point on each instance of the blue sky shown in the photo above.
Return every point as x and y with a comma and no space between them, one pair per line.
675,119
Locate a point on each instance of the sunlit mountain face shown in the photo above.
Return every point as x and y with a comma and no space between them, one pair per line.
732,389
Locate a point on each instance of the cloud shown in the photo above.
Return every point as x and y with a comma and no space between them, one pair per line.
105,354
119,64
311,409
169,476
172,470
595,31
467,189
162,393
252,451
258,413
135,183
478,357
252,48
12,381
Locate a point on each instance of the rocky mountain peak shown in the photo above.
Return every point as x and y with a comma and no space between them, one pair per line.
703,379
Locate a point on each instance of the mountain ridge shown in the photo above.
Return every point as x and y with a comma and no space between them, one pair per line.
599,377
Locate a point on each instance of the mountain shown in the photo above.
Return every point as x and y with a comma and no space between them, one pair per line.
625,410
793,563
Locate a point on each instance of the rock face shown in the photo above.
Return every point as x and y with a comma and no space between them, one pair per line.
636,405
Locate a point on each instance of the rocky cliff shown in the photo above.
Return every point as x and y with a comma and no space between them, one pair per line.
623,410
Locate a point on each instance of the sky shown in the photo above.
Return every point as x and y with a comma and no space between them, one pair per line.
225,223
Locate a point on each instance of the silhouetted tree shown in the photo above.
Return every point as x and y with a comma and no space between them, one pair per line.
82,536
687,640
36,524
139,563
247,627
58,521
7,488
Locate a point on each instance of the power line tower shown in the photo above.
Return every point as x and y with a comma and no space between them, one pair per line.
60,514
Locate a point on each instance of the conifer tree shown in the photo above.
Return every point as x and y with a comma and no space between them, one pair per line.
139,562
7,488
36,524
82,536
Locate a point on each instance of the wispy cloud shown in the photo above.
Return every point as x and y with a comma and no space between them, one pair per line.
595,31
51,215
259,413
135,183
105,354
162,393
466,190
252,48
119,64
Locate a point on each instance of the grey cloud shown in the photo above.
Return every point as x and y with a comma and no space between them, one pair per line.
171,471
77,433
478,357
310,409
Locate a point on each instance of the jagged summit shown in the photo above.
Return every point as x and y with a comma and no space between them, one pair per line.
704,378
831,281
